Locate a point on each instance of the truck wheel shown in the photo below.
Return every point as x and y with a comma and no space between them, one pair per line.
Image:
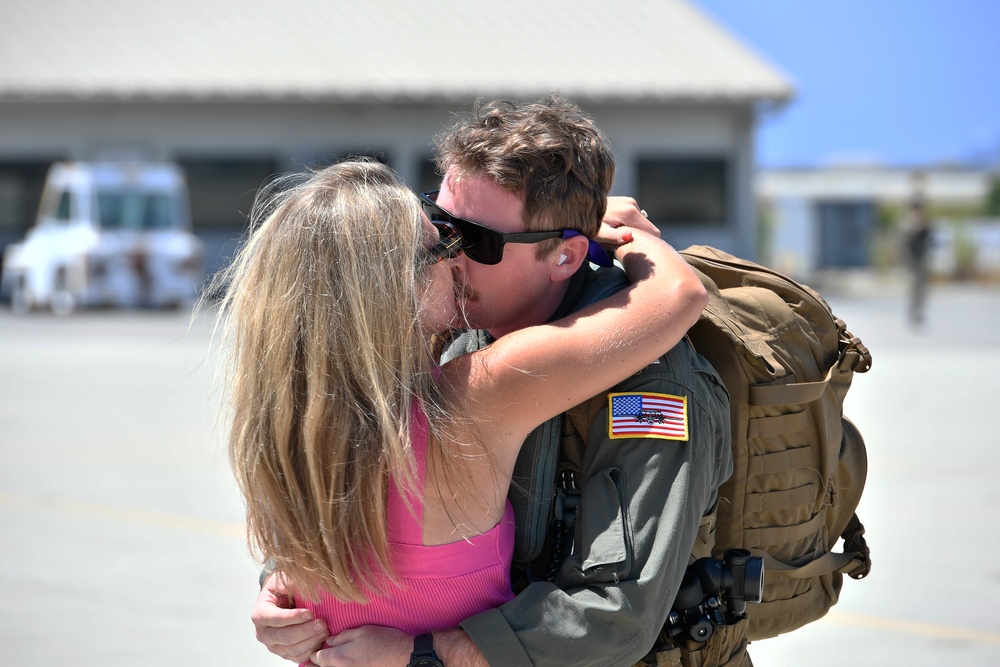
63,302
20,302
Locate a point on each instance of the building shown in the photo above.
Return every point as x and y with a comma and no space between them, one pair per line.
238,90
834,217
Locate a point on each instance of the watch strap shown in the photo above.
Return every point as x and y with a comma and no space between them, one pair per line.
423,645
423,651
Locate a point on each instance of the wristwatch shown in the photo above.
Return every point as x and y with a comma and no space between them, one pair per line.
423,652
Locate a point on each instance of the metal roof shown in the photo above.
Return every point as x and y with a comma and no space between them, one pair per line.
375,50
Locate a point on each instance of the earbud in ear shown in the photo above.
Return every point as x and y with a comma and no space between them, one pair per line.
562,259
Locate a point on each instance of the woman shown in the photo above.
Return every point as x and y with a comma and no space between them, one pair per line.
375,479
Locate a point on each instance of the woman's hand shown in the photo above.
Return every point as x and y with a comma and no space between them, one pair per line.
286,632
367,646
623,214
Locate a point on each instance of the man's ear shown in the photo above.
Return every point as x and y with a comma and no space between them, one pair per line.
568,257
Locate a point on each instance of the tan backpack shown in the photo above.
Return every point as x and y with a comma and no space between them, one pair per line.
799,465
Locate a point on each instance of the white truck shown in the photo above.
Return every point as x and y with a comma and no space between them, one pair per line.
107,234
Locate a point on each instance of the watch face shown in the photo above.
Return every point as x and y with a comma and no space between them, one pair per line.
425,661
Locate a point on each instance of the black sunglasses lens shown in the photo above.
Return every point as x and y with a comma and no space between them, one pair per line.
449,244
451,241
479,243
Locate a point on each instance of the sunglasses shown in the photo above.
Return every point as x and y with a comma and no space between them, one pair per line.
449,245
484,245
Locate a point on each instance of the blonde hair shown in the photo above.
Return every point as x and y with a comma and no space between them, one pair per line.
322,315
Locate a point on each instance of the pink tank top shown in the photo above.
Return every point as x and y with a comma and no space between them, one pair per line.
439,586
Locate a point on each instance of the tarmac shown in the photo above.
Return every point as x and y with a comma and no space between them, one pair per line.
122,530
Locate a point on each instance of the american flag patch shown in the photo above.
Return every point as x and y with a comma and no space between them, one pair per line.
647,415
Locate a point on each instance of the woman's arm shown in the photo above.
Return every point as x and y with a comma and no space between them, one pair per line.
533,374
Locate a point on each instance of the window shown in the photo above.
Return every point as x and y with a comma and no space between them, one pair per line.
64,209
133,209
222,191
684,190
159,213
845,228
428,177
21,185
111,209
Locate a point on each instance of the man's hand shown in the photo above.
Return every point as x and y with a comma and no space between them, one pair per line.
625,212
293,634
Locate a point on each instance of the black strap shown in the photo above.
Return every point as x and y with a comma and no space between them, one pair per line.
423,651
423,645
854,541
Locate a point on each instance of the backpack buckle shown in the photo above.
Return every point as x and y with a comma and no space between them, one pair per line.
851,345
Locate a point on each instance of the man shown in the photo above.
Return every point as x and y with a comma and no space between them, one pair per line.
602,550
919,242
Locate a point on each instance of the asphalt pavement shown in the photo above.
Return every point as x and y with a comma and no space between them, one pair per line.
122,534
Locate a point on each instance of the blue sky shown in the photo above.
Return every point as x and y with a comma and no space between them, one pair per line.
900,82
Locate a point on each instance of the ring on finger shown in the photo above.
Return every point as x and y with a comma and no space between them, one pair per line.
644,214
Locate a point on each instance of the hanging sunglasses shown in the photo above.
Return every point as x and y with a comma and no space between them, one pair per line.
449,245
484,245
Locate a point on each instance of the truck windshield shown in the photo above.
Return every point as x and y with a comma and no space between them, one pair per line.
135,209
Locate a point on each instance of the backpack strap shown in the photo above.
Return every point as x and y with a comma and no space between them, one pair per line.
799,393
854,541
704,541
854,561
573,441
533,479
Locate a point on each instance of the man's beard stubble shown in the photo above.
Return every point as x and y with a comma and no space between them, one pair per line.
464,297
